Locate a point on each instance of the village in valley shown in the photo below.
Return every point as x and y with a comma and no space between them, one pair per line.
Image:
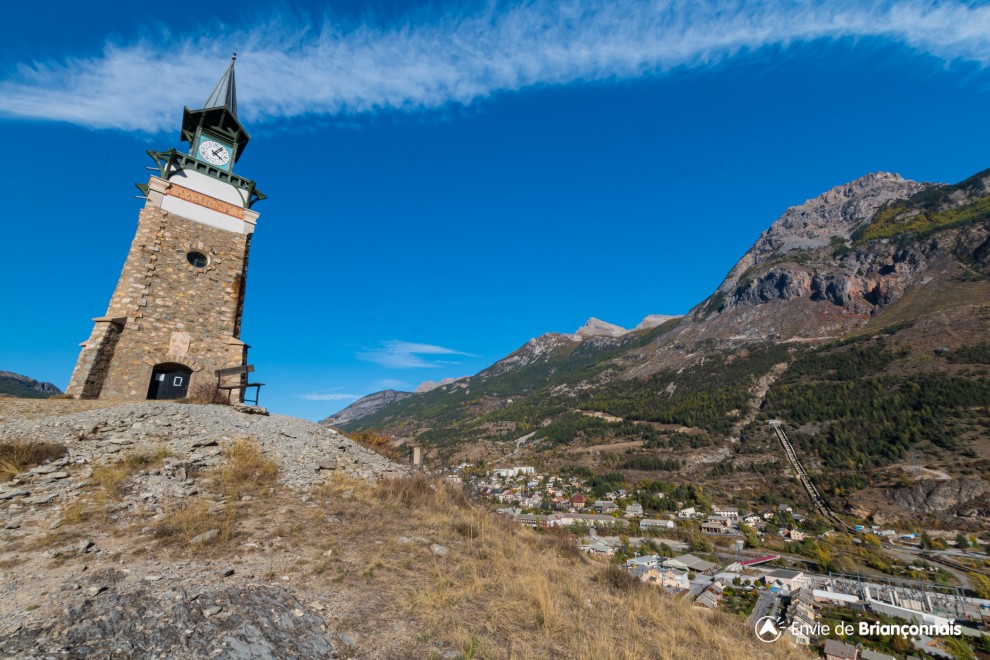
752,563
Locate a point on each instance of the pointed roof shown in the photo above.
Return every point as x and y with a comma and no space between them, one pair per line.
218,116
225,93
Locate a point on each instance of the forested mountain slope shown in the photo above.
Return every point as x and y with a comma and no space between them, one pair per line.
859,318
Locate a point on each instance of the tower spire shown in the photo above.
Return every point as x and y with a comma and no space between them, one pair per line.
225,93
217,122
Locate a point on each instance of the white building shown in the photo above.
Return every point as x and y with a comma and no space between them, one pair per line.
654,523
648,560
567,519
786,580
513,471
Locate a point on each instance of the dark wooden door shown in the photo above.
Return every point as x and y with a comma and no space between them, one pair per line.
169,384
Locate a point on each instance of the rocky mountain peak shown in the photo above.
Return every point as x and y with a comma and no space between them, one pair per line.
654,320
430,385
364,406
536,349
834,214
598,328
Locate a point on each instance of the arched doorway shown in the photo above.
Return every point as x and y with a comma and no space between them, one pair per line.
169,380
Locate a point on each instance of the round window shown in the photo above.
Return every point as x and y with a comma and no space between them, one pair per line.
197,259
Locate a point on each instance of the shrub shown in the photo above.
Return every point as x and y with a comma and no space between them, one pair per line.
981,584
563,544
205,393
112,477
19,455
377,443
192,519
618,578
246,470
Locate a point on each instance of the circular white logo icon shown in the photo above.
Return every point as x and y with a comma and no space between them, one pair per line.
767,629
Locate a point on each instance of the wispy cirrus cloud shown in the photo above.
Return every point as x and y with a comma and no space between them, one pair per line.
291,67
396,354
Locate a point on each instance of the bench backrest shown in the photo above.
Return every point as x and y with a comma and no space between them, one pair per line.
235,371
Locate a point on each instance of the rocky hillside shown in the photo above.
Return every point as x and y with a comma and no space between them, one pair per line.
16,385
365,406
879,284
519,372
598,328
169,530
815,274
428,385
829,219
654,320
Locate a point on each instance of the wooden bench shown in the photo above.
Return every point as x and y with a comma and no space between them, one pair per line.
239,371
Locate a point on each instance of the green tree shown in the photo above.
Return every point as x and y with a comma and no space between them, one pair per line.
752,540
981,584
698,542
958,648
823,557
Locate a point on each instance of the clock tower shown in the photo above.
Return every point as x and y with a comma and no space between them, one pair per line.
175,316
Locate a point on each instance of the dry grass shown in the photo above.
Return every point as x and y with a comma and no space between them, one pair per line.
97,507
19,455
187,521
503,591
377,443
78,512
114,477
245,470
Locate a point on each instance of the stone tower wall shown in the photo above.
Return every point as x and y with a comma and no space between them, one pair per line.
167,310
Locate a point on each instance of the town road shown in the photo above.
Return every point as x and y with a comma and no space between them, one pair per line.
762,607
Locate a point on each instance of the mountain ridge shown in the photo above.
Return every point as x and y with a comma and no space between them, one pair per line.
834,214
18,385
881,284
365,406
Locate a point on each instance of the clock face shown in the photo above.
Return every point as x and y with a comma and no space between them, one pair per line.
214,153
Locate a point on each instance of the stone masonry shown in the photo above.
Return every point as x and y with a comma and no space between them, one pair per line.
166,310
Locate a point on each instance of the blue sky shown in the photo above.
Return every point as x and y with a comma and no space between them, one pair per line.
448,180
